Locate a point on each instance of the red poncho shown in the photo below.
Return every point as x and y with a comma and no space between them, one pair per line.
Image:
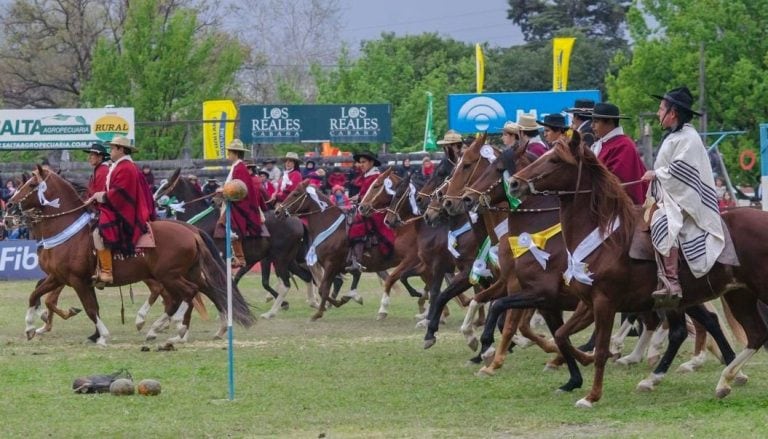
126,211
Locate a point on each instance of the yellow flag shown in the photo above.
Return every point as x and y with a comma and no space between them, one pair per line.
480,65
561,55
217,135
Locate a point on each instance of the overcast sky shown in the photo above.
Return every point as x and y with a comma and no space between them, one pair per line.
473,21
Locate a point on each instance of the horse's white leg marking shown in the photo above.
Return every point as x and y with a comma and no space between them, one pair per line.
103,332
222,327
281,292
29,321
141,315
617,340
649,383
159,323
694,363
731,371
636,355
178,316
383,307
657,343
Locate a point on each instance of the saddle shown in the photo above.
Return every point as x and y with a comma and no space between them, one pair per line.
147,240
642,249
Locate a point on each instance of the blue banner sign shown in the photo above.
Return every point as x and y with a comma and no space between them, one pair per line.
353,123
470,113
18,260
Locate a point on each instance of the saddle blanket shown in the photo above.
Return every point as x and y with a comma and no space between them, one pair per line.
642,248
146,240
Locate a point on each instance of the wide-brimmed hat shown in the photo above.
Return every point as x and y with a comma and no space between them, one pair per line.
292,156
369,155
270,161
98,148
450,137
582,108
122,141
511,127
606,110
250,164
263,172
556,120
681,97
212,180
527,122
236,145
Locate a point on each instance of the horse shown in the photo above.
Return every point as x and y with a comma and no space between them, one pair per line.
330,243
542,287
608,280
376,200
183,261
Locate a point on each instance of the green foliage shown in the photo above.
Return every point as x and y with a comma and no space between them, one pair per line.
734,35
400,71
165,66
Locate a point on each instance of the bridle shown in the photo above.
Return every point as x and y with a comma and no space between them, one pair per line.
471,174
31,215
300,200
396,210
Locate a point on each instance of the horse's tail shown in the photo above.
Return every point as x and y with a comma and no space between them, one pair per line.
214,272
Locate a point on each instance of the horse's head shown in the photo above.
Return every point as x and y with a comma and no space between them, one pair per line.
380,193
167,185
556,171
487,189
403,204
303,200
472,164
435,185
43,192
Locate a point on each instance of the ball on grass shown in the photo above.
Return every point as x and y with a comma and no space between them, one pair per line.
149,387
121,386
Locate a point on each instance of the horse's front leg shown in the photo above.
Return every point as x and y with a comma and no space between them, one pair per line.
87,295
325,292
154,293
43,286
604,314
51,304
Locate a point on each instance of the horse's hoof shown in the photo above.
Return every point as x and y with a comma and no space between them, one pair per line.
645,386
686,368
488,355
626,361
285,306
473,343
723,392
315,317
151,337
583,403
31,334
74,311
485,372
429,342
740,379
358,299
314,305
268,316
101,342
381,316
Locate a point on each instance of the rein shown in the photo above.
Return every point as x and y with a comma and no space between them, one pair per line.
34,218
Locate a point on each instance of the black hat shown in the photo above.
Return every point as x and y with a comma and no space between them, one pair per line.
556,120
212,180
270,161
98,148
681,97
582,108
367,154
264,172
605,110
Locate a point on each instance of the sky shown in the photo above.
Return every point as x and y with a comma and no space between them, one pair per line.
469,21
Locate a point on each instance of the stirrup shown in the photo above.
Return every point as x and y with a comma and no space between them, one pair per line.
354,266
665,297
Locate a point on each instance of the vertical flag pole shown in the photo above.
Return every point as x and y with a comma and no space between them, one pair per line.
229,302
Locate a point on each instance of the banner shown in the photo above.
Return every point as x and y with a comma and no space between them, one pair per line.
63,128
561,56
217,135
479,67
18,260
429,131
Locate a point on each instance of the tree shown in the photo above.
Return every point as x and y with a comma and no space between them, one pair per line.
165,65
667,54
541,20
400,71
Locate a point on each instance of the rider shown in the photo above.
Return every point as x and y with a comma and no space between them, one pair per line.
291,177
97,158
555,129
452,141
617,151
510,135
581,119
529,135
125,208
683,188
246,218
363,227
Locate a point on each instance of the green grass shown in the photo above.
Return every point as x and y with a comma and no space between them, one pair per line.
345,376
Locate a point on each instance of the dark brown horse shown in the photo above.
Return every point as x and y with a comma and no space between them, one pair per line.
592,200
183,261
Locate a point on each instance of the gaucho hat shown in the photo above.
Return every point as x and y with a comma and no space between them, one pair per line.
367,154
556,120
606,110
582,108
681,97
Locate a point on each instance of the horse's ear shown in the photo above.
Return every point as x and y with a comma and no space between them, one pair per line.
40,170
481,138
24,177
175,175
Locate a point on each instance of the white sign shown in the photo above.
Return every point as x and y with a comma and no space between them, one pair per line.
63,128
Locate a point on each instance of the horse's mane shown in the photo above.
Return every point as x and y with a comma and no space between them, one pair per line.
66,185
608,199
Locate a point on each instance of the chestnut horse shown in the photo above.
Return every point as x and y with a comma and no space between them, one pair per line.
592,201
183,261
543,288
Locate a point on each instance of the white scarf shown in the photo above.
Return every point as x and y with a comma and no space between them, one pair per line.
113,166
598,145
232,170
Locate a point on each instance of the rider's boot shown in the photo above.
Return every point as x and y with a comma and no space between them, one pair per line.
103,268
354,257
239,257
670,292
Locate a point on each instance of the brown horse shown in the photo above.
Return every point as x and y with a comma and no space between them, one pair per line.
183,261
377,199
592,202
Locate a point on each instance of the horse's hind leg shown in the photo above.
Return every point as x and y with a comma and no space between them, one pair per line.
677,335
706,322
283,288
141,315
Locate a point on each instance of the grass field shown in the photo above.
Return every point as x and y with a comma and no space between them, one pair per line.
344,376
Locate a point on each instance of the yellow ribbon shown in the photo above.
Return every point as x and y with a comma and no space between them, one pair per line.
539,239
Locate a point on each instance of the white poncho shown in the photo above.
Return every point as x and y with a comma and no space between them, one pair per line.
684,189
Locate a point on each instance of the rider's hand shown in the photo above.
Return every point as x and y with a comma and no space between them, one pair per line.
648,176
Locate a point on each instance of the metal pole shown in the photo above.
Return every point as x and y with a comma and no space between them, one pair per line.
764,165
229,303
